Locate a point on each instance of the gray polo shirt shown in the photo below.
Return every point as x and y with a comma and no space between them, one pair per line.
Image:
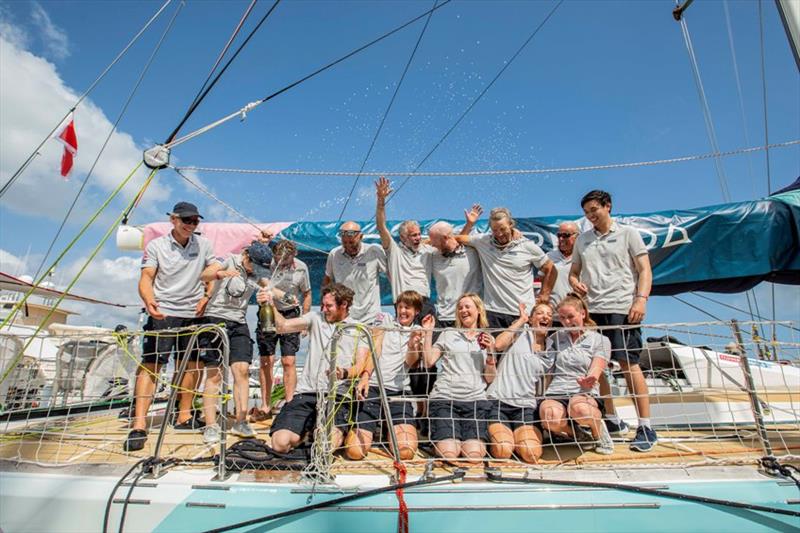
393,355
461,375
508,272
573,359
231,295
607,267
359,273
293,280
455,274
519,371
409,270
562,286
177,286
315,370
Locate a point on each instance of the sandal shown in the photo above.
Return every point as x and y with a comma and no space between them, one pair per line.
135,441
257,415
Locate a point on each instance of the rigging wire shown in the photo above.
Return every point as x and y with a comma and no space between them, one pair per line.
386,113
489,172
712,135
108,137
753,316
249,107
478,98
204,91
80,99
225,48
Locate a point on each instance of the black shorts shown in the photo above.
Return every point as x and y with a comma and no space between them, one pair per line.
239,342
300,415
289,343
158,347
370,411
421,378
500,320
565,402
512,416
452,419
626,343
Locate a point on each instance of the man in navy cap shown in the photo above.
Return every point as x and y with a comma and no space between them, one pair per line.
234,282
174,296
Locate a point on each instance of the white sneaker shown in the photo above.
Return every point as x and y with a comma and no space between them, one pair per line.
243,429
604,446
211,434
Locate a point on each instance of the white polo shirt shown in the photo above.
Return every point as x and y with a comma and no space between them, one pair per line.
315,374
562,286
455,274
409,270
462,360
393,354
293,280
519,371
607,267
177,286
231,295
573,360
508,272
360,274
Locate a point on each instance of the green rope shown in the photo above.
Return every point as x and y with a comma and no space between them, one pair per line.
94,253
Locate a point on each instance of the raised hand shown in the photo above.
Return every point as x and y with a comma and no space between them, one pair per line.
428,322
383,188
473,214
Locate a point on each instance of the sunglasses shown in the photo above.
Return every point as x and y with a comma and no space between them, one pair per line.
349,233
565,235
190,221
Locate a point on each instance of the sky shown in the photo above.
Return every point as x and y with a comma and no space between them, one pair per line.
600,83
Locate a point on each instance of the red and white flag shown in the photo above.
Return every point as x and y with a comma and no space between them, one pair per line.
69,139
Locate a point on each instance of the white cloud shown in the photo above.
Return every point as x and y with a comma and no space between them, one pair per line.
11,264
54,39
32,98
11,32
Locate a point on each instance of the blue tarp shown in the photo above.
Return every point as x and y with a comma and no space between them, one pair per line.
722,248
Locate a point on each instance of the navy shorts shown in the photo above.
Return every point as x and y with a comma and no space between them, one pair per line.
453,419
626,343
511,415
268,342
158,347
300,415
239,342
500,320
370,411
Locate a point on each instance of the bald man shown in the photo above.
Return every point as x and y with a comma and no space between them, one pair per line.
357,265
562,260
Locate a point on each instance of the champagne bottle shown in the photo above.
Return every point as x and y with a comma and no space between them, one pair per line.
266,318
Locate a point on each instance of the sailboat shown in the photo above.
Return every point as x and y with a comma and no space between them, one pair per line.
726,467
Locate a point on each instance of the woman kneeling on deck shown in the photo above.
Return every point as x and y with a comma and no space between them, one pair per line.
458,408
397,348
513,418
581,356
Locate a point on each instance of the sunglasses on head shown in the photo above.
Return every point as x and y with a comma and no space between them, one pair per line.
349,233
564,235
192,221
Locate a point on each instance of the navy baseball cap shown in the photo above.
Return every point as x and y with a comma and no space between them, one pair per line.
260,254
185,209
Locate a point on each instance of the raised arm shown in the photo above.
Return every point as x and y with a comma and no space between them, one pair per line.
505,339
383,188
471,217
430,353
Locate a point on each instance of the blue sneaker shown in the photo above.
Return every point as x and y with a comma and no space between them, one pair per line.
617,429
644,440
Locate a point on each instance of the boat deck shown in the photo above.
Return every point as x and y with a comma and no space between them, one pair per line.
96,439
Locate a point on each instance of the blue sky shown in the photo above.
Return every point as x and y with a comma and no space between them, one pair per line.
602,82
